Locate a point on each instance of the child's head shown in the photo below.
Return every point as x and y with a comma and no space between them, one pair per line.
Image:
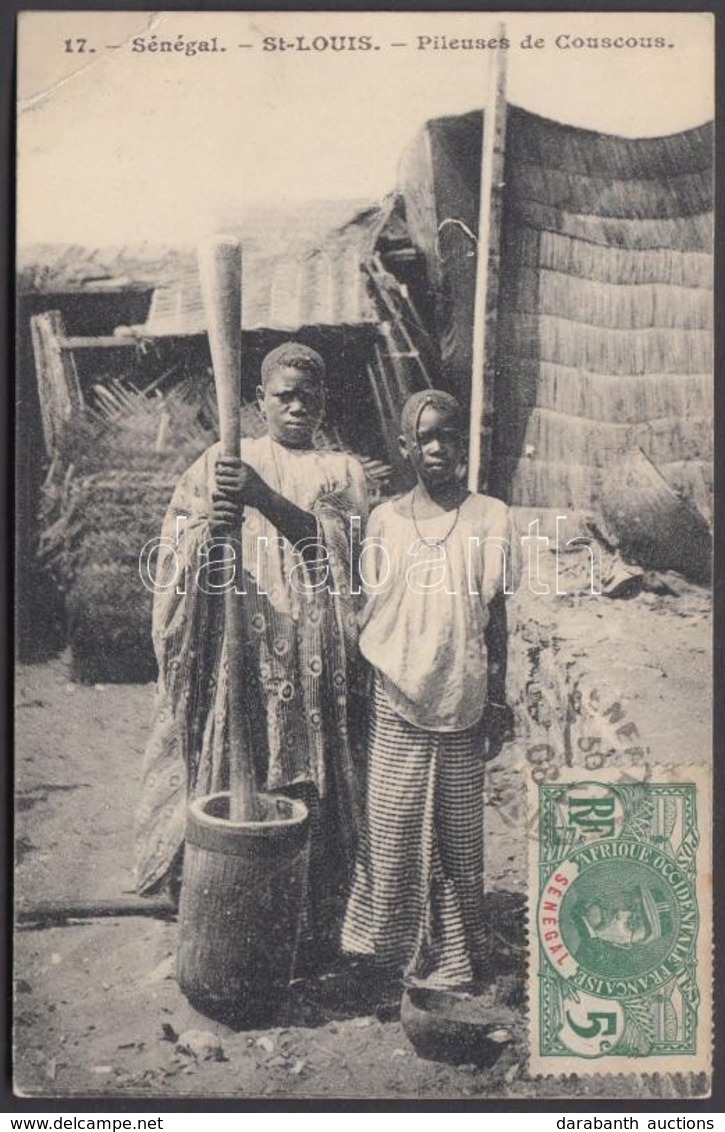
292,394
433,436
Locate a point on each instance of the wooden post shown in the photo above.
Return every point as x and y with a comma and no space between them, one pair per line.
58,390
487,271
220,272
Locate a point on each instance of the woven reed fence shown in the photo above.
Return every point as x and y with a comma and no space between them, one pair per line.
105,497
106,494
108,609
606,313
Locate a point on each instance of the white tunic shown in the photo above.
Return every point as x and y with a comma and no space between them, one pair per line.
423,623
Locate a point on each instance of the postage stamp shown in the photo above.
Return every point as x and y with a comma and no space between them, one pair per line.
620,976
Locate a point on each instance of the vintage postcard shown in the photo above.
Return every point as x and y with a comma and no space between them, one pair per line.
364,468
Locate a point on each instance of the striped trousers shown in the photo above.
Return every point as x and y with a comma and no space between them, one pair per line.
417,895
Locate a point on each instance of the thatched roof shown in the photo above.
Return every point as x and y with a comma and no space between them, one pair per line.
317,241
67,268
284,288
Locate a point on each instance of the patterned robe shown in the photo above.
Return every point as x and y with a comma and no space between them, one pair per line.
300,647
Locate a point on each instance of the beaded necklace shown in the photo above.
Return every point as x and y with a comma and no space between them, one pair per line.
449,532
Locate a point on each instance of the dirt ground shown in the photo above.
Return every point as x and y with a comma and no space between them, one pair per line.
97,1008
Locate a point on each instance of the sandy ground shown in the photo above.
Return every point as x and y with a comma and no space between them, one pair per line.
96,1004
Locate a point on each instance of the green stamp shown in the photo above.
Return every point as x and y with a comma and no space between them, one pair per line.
616,924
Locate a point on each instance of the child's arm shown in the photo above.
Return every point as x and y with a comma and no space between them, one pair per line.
497,721
237,483
496,638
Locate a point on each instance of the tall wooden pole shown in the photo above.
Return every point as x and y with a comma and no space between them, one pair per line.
220,272
487,270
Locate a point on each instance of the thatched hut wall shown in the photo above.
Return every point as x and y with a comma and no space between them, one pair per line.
605,315
606,318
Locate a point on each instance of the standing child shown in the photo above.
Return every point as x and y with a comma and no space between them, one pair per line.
434,630
279,496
